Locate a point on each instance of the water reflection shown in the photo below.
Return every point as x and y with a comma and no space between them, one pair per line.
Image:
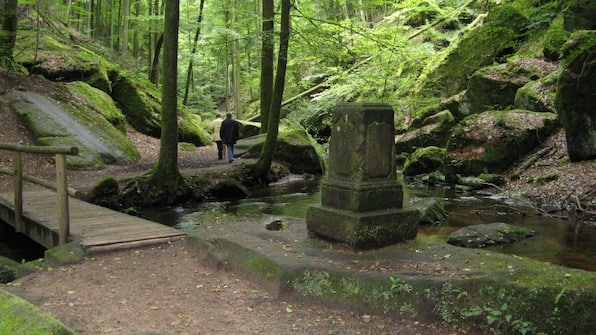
557,241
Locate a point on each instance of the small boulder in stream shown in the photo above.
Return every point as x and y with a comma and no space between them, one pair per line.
484,235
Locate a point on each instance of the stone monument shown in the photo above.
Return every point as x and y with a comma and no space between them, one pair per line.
362,201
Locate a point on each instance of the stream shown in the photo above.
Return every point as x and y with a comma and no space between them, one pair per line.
556,241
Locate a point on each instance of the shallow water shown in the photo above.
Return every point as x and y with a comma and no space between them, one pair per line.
557,241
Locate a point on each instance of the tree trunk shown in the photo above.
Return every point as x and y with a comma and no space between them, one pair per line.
266,64
126,17
97,33
166,176
136,32
263,165
67,4
192,54
90,12
8,35
154,75
236,67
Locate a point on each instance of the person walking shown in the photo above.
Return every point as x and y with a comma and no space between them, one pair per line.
215,126
229,134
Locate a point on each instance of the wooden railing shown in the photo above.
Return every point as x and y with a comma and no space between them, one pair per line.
60,185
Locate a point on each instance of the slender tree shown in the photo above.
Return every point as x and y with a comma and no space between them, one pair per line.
193,53
266,63
166,176
8,34
154,74
125,18
236,65
263,164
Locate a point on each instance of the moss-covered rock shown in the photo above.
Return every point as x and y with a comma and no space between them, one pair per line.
552,40
434,130
97,101
141,103
189,129
58,61
500,34
229,188
295,148
106,193
8,270
580,14
64,254
489,142
483,235
424,160
538,95
432,210
62,123
576,101
18,316
495,87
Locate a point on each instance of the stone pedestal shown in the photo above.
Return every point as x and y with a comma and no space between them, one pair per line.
361,199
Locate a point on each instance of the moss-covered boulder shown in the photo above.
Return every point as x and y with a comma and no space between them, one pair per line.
538,95
18,316
495,87
229,188
8,270
576,101
295,148
64,123
483,235
64,254
141,103
491,141
500,33
434,130
432,210
189,129
580,14
424,160
56,60
106,193
421,14
81,93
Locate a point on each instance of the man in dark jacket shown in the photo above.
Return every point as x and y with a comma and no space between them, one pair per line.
229,134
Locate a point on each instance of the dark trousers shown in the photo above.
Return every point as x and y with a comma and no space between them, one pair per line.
220,149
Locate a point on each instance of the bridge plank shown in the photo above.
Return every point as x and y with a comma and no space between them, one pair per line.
94,227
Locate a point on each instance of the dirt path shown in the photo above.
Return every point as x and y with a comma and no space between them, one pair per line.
165,290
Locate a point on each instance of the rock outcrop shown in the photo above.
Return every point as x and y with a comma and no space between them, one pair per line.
576,102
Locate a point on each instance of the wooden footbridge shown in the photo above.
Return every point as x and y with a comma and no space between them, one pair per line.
53,217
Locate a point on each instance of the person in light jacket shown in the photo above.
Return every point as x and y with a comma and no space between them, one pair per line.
229,134
215,126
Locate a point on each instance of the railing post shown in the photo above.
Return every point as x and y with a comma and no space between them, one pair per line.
18,192
63,217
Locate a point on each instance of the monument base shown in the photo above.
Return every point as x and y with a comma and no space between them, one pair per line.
363,229
362,196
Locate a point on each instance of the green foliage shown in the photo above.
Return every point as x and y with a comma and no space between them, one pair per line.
313,283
